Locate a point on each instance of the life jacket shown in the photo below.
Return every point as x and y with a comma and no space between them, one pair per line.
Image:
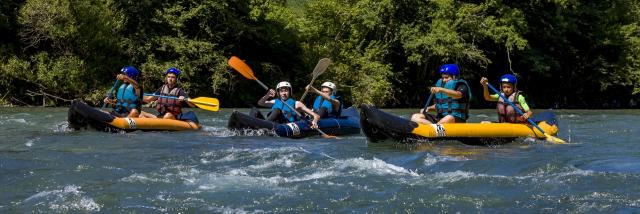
506,113
126,99
321,102
446,105
288,113
173,106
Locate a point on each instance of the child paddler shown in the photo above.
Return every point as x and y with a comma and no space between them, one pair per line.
280,112
326,104
128,96
170,108
452,95
509,89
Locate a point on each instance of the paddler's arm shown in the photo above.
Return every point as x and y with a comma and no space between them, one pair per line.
148,99
451,93
133,82
316,117
334,102
182,98
485,90
264,101
429,108
182,95
525,107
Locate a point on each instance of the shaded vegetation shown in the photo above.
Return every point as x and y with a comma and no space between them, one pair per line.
566,53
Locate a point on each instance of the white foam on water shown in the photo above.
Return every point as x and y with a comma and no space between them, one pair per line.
430,159
455,176
228,158
30,142
482,116
141,178
14,120
68,199
285,161
160,209
555,178
242,132
374,166
62,127
233,154
229,210
219,182
212,128
238,172
570,116
312,176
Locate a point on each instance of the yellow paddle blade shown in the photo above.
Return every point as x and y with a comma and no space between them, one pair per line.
206,103
237,64
554,140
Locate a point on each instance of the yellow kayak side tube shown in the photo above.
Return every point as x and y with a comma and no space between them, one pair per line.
484,130
153,124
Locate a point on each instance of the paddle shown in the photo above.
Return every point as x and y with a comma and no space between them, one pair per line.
550,138
111,92
206,103
237,64
428,101
319,69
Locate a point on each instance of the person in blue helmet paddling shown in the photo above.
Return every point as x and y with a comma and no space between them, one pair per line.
326,104
452,95
128,96
509,89
169,108
280,112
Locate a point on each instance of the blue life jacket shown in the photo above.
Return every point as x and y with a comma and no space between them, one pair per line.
288,113
321,102
126,99
446,105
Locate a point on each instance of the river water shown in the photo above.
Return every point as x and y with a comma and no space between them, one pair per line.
47,168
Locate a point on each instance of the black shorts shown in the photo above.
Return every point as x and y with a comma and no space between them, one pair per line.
434,119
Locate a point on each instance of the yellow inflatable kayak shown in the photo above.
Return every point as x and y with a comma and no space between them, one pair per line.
81,116
379,126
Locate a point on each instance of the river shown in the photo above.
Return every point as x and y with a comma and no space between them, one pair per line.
47,168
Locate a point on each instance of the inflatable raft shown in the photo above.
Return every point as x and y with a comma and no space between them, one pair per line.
379,126
347,124
83,116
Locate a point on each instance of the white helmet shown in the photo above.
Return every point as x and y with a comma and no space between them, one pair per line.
329,85
284,84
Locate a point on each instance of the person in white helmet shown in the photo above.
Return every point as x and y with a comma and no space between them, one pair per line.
280,112
326,104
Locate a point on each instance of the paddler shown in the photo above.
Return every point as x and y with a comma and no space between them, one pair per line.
280,112
452,95
509,89
128,95
169,108
326,104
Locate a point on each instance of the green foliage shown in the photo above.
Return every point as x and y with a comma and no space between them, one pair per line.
566,53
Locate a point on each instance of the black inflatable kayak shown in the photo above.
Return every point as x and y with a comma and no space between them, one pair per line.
83,116
379,126
347,123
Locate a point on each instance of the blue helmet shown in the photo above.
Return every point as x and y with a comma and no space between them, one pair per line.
131,72
451,69
172,70
509,78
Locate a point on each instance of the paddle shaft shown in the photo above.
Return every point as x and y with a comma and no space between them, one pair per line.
426,105
305,92
168,97
289,106
111,91
515,107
